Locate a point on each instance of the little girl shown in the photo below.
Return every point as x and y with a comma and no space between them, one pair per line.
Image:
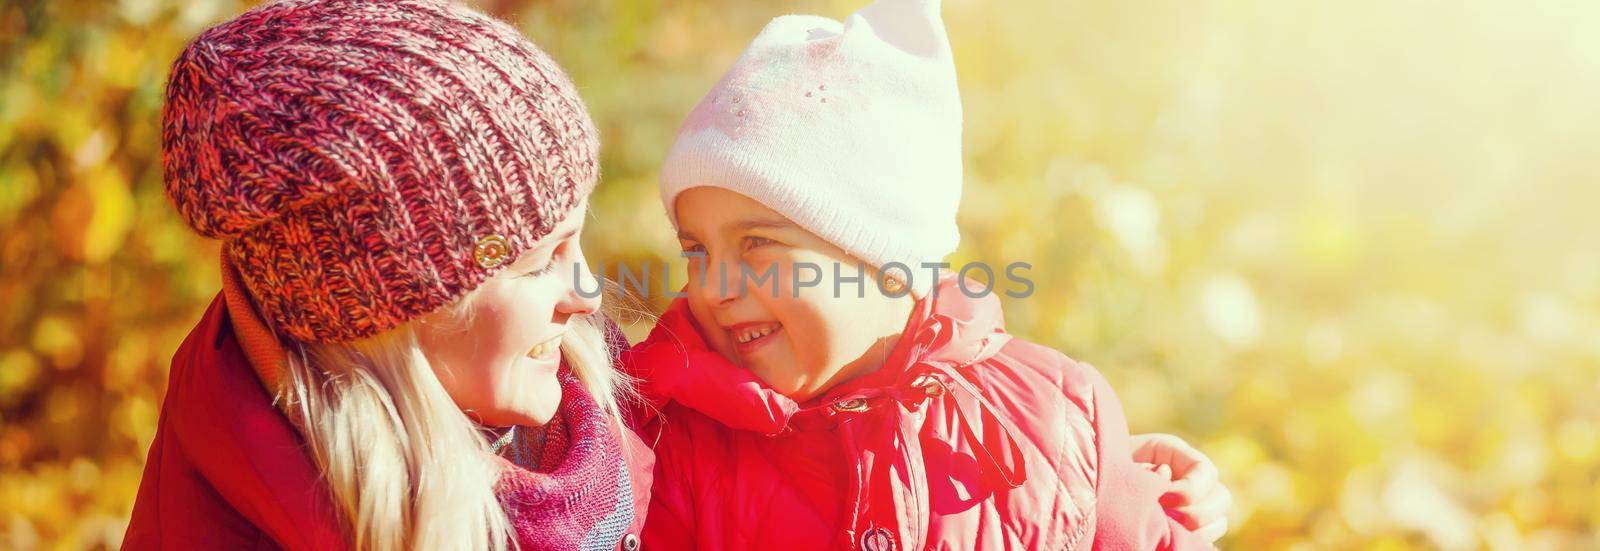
885,407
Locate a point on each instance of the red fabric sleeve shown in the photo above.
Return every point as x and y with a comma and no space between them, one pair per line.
1128,514
670,523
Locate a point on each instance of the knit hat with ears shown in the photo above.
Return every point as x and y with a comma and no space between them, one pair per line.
368,161
852,130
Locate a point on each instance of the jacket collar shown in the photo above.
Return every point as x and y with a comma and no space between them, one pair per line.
947,329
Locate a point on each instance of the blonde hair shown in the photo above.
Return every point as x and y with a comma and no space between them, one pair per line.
408,469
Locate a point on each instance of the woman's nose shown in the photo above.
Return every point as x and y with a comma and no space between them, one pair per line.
583,295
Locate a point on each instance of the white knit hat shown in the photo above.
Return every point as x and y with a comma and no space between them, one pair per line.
852,130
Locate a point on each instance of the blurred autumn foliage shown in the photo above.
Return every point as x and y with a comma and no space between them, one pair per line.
1349,249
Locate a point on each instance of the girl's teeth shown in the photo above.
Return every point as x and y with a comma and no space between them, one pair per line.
754,334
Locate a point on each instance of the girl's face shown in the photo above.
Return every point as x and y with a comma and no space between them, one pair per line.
498,353
801,340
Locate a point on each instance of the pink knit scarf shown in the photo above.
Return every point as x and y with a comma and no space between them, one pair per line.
566,485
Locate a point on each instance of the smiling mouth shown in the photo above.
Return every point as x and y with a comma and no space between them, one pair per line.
755,333
748,336
547,349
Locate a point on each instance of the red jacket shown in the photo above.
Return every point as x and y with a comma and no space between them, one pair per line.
227,469
964,439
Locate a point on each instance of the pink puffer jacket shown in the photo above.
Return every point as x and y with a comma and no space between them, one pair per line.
965,439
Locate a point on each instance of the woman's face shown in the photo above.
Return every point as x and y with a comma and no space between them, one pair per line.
801,340
497,354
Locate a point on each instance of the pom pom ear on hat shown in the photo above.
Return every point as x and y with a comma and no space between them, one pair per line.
352,154
851,129
914,26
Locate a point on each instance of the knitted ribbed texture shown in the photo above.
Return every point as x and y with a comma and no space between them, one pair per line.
352,153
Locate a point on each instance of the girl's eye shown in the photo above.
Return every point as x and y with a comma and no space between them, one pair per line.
753,241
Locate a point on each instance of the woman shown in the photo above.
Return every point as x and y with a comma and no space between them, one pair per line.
399,357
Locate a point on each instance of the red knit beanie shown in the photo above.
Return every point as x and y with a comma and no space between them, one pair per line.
367,162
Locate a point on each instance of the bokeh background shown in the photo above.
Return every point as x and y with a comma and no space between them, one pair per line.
1349,249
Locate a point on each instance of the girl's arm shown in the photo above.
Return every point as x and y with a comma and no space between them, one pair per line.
670,522
1128,511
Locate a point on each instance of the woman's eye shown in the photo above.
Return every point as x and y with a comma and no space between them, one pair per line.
548,267
695,249
556,258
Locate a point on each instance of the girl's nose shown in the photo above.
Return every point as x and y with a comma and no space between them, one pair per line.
717,283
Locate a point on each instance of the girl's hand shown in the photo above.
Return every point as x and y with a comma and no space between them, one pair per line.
1198,500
